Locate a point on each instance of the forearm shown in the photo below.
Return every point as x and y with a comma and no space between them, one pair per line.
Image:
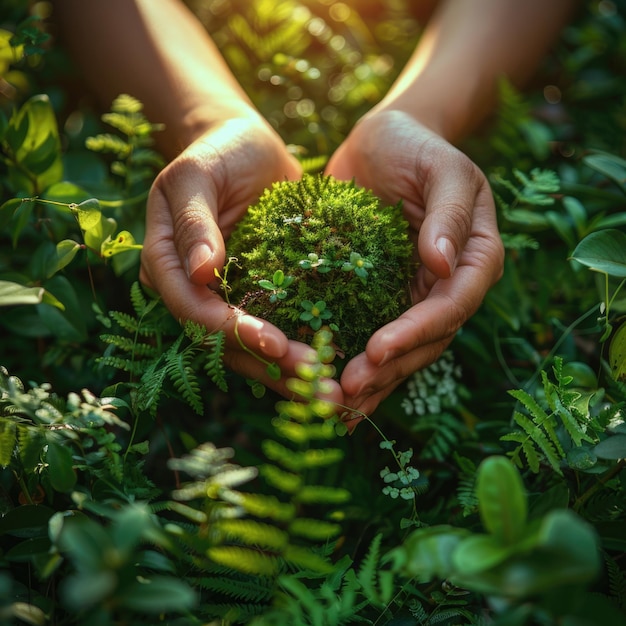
450,82
156,51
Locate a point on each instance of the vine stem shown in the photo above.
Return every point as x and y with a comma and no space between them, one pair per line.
391,448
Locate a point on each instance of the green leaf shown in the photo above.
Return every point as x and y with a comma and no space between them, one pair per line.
21,217
427,552
26,521
479,553
501,499
100,232
66,251
88,213
612,448
40,149
13,293
123,242
603,251
611,166
61,467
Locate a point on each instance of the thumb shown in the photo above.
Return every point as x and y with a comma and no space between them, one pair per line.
454,191
184,198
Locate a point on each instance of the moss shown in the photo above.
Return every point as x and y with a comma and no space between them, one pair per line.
319,251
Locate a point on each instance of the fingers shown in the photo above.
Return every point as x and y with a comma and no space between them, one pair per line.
366,384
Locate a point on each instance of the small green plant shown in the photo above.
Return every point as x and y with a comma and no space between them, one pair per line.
333,250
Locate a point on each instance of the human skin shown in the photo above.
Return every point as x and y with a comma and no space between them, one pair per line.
223,154
403,150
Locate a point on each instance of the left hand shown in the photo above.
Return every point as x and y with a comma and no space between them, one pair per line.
448,203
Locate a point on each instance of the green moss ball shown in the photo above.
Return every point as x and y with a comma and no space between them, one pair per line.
322,252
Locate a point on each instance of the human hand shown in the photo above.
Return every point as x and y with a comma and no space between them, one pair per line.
451,214
193,206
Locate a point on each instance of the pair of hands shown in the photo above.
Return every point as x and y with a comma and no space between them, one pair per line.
198,198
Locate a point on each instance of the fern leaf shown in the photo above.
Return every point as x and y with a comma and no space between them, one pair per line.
287,482
313,529
368,569
214,366
137,299
125,365
184,378
533,433
306,559
253,533
151,387
126,344
246,560
322,494
261,505
255,590
617,581
530,403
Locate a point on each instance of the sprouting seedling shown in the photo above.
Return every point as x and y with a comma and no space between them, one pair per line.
277,286
358,265
314,313
225,287
313,261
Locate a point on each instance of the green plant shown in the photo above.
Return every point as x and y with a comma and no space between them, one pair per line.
333,250
120,505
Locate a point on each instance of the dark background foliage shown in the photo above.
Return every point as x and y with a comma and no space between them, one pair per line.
536,376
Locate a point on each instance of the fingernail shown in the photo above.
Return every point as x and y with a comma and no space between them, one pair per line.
446,247
267,342
198,256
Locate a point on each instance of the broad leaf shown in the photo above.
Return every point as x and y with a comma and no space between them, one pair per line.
13,293
603,251
611,166
501,499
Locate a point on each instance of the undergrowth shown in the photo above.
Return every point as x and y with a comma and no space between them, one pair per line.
143,483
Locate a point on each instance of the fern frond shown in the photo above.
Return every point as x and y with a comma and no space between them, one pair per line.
184,378
131,324
246,560
215,344
253,533
255,590
305,559
617,581
287,482
313,529
125,365
322,494
137,299
127,344
368,570
535,434
152,381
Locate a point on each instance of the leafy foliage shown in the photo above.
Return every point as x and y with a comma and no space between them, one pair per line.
506,457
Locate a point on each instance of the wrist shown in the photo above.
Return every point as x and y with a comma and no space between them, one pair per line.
203,118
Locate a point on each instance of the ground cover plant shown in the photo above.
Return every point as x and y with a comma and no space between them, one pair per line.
142,483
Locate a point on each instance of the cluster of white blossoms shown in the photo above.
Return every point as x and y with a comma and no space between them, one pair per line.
434,388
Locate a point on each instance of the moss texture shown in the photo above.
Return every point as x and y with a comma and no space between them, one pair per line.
322,252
